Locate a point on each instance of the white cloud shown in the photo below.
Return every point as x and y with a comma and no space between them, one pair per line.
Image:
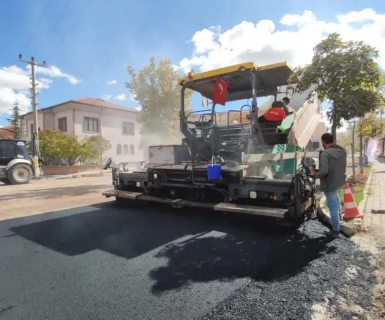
55,72
358,16
14,77
297,19
138,108
124,97
112,82
15,84
106,97
292,39
121,97
43,83
8,97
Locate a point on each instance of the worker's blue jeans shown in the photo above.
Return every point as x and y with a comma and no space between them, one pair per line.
333,201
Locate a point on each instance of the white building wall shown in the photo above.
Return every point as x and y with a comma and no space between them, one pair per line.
111,128
68,114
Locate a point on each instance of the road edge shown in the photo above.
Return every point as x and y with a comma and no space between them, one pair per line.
75,175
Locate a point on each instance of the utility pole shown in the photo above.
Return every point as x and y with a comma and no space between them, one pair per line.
35,134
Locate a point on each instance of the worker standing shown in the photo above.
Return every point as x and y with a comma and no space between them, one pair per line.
331,173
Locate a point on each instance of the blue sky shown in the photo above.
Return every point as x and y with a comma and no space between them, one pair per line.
91,42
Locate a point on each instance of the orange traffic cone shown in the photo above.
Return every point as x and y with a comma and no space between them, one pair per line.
350,206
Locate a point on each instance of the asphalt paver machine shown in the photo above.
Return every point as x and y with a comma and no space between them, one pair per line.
248,165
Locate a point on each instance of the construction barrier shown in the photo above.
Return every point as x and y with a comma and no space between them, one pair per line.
350,207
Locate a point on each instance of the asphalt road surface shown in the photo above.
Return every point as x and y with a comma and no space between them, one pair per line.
100,261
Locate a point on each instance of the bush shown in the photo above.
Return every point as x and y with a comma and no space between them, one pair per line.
62,149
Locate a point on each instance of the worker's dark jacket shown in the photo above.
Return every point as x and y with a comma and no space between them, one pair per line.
332,168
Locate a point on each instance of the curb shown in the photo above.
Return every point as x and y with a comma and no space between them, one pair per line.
324,215
347,229
364,201
79,176
69,176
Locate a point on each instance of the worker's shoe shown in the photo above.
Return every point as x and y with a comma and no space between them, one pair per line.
332,234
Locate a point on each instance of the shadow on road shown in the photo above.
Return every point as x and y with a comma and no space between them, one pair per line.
54,193
218,247
261,256
126,232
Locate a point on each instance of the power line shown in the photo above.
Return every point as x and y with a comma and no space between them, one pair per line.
80,15
61,41
38,24
56,22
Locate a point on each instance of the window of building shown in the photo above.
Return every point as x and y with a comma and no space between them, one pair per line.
24,128
119,149
128,128
90,124
62,124
132,149
125,149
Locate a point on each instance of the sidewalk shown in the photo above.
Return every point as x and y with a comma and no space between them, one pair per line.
374,206
373,240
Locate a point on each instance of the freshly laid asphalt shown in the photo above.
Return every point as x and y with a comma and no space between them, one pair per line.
152,262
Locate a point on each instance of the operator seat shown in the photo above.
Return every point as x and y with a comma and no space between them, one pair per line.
276,113
272,119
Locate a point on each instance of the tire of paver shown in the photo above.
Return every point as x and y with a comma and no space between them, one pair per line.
20,173
5,181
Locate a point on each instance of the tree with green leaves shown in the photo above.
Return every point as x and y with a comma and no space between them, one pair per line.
95,146
345,73
370,127
58,147
14,121
156,89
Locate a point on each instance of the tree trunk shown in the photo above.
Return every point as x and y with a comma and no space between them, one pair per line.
353,151
361,149
366,147
334,126
334,132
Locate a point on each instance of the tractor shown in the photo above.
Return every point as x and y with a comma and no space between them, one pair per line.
16,165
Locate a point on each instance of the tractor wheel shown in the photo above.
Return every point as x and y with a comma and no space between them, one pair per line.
5,181
20,173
